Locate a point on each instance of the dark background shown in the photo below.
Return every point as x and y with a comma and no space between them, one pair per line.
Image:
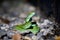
49,7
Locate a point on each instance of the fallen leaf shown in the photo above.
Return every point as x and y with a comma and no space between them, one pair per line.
57,38
16,37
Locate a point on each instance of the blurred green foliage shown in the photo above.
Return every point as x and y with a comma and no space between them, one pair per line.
27,25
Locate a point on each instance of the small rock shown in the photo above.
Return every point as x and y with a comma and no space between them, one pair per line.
35,18
11,18
2,32
23,15
3,28
6,38
27,38
10,33
34,37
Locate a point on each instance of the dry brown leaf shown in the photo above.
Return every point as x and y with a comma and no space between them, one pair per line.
16,37
57,38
